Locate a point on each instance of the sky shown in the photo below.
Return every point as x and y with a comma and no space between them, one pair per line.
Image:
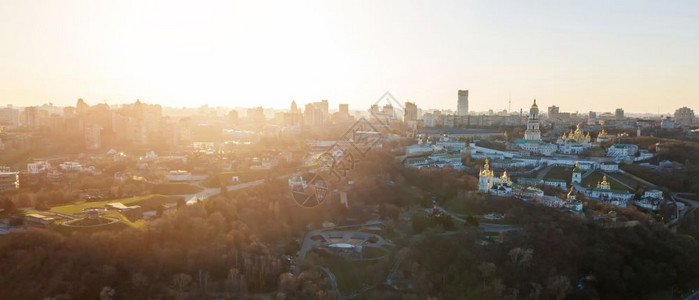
642,56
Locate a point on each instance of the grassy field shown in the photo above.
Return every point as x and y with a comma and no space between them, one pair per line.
125,223
148,202
455,206
625,179
558,172
372,252
351,276
694,197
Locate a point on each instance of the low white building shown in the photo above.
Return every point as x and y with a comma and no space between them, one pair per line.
178,175
419,149
557,183
622,150
8,180
653,194
38,167
529,192
71,166
609,167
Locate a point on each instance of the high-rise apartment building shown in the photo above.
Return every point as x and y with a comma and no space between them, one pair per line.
9,117
619,114
462,107
344,109
410,113
256,115
684,116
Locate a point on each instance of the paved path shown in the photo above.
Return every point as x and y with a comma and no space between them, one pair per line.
330,274
346,235
543,172
620,182
488,227
689,206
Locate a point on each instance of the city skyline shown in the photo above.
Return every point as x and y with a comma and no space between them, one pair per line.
633,55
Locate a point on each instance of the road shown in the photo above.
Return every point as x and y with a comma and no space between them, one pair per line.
689,205
209,192
308,243
333,280
487,227
543,172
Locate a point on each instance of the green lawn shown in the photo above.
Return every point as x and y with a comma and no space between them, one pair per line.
626,180
138,224
351,276
558,172
455,206
148,202
372,252
694,197
598,175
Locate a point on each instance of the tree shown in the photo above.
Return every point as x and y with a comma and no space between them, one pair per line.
558,285
472,220
487,270
107,293
180,284
235,284
522,258
9,206
181,203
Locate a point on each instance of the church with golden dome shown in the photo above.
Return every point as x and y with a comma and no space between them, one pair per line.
604,191
489,183
575,142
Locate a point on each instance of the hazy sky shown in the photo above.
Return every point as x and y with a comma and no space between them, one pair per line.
580,55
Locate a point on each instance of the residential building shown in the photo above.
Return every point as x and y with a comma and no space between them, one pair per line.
8,180
619,114
256,115
410,117
462,106
684,116
9,117
38,167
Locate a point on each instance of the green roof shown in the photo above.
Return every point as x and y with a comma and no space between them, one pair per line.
524,141
613,191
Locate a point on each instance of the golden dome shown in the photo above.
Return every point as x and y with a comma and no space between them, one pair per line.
604,184
534,105
486,172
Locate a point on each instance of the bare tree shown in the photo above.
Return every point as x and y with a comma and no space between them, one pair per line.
558,285
180,284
